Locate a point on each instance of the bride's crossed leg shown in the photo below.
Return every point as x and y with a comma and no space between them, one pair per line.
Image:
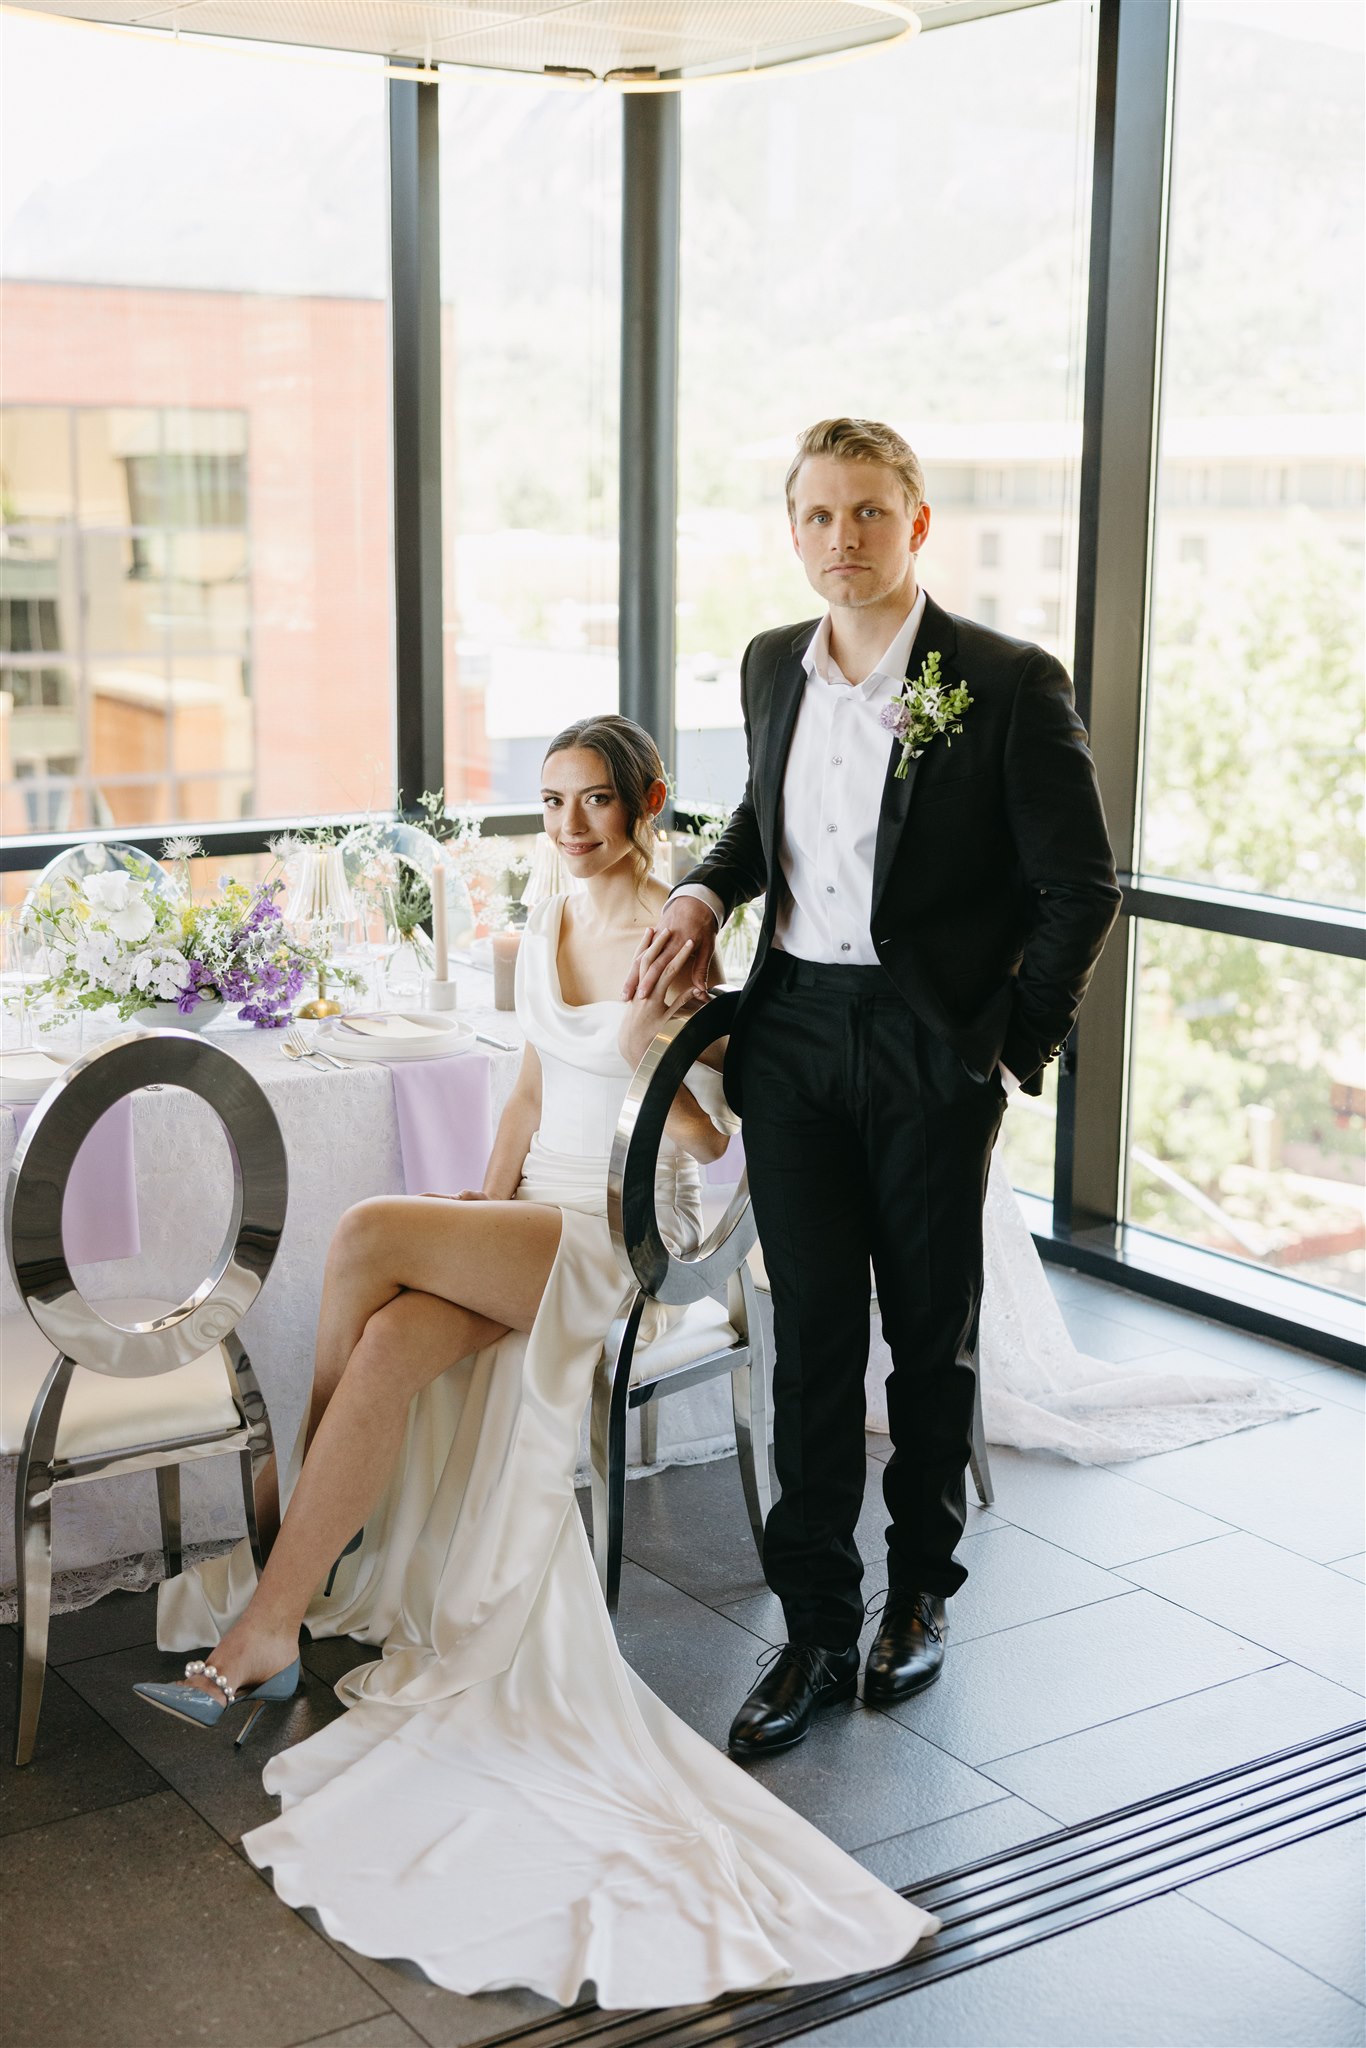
412,1284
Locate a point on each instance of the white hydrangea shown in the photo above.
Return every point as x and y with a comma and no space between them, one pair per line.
119,901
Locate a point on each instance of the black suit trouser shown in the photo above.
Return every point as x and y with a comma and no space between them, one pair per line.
866,1139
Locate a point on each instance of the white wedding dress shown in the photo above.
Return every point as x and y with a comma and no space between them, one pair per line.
1040,1393
506,1803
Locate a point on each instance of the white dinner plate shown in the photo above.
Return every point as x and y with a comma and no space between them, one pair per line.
436,1035
26,1076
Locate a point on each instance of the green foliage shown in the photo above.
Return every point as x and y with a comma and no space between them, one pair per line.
1255,733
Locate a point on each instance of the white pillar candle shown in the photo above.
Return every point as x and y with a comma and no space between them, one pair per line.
441,964
504,948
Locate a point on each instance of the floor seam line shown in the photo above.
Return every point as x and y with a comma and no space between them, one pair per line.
1114,1720
1279,1953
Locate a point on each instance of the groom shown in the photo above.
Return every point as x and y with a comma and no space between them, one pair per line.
933,915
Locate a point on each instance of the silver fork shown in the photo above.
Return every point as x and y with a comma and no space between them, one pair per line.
302,1050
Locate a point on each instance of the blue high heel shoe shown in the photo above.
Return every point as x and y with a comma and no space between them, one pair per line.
190,1703
353,1545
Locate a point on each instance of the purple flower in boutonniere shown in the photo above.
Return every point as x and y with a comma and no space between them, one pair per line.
924,710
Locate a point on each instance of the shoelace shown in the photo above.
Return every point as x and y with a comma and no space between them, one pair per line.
814,1660
921,1610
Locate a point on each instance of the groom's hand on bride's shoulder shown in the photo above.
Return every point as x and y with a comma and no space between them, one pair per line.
684,921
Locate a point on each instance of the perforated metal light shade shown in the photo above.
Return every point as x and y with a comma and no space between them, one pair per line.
640,45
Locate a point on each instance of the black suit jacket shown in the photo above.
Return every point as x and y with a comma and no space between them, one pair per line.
993,880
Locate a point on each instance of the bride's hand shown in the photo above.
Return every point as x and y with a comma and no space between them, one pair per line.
646,1012
465,1195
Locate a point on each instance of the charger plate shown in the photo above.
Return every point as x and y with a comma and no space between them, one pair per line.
443,1036
27,1074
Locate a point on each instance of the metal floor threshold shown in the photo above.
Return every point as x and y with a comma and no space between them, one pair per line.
1009,1901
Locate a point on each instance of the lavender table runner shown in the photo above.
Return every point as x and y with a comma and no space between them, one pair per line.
445,1126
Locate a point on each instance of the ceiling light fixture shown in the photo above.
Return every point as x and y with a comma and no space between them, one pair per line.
631,45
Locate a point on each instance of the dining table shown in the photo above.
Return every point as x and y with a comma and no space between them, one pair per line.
149,1206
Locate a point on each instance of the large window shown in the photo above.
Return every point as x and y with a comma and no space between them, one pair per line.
1247,1102
194,452
1254,718
530,283
125,610
904,239
1246,1060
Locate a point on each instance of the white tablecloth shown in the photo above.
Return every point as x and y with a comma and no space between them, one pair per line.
341,1135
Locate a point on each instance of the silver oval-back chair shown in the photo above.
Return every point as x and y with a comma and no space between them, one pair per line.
99,857
710,1338
133,1385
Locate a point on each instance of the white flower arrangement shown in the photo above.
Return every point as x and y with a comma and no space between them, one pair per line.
114,940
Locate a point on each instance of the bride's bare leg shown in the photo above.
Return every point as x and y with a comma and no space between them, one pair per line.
444,1279
357,1281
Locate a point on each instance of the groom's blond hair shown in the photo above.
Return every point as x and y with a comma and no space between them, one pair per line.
860,441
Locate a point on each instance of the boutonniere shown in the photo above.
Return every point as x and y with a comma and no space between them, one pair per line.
924,710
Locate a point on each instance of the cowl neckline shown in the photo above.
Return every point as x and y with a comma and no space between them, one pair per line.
584,1034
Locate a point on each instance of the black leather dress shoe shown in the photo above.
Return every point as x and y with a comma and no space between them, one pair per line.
799,1680
908,1649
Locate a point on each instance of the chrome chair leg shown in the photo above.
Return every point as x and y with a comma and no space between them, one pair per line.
749,1395
251,1401
33,1552
981,1470
607,1442
168,1507
249,1510
649,1433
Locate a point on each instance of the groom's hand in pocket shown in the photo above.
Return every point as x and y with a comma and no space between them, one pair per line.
685,921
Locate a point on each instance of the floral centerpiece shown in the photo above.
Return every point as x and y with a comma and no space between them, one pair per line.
118,940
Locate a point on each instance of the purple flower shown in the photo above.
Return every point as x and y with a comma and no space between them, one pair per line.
894,718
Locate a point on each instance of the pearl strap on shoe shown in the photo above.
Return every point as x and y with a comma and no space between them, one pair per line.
196,1669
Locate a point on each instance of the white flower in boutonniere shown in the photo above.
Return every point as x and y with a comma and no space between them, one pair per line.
924,710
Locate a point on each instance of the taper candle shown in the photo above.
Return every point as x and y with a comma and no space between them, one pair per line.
441,962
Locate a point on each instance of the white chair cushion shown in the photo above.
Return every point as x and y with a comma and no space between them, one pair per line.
702,1327
106,1414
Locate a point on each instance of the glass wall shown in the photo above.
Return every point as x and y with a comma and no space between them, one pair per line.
1247,1103
1254,717
903,239
194,456
531,316
1247,1060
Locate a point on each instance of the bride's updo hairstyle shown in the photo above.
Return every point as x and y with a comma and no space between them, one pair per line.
632,761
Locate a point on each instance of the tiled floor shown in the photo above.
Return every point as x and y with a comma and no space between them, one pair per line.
1123,1630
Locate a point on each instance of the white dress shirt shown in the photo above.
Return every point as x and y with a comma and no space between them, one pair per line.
832,798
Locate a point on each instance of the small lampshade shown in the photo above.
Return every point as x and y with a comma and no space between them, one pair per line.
318,888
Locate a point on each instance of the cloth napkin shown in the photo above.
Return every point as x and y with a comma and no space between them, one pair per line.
445,1124
100,1212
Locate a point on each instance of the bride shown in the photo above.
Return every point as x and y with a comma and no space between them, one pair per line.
505,1802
